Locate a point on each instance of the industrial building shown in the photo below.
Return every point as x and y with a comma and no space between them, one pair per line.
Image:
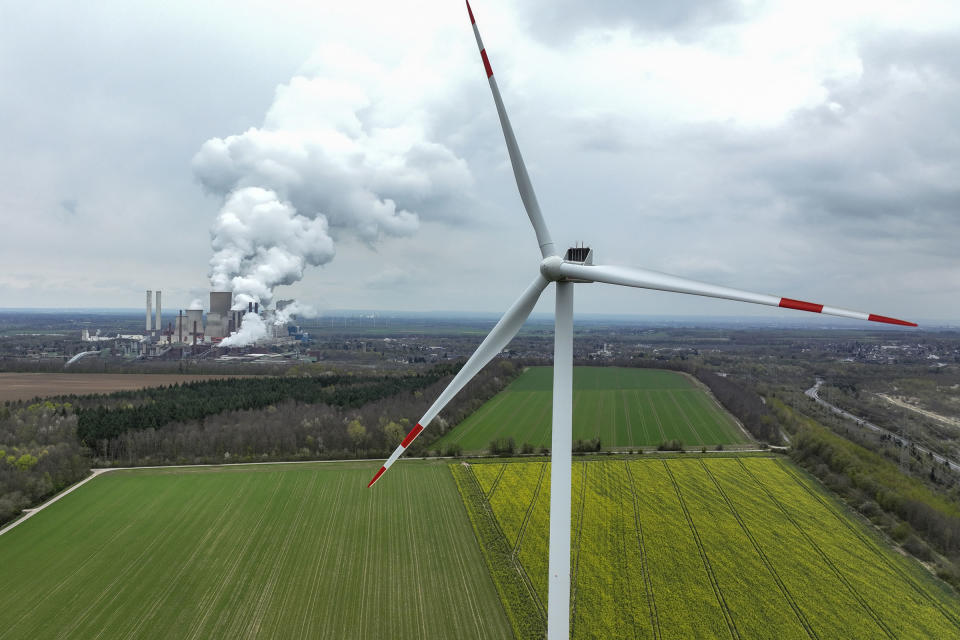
189,329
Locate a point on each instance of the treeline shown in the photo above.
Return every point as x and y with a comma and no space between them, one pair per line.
294,429
39,455
344,416
747,405
195,401
905,507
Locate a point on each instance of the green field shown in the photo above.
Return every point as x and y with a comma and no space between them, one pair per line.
271,551
732,547
625,408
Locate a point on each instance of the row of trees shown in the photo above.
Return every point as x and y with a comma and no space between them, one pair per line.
293,429
155,408
317,417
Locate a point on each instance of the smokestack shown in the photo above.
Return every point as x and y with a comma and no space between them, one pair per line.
194,333
149,308
180,328
256,308
249,307
158,324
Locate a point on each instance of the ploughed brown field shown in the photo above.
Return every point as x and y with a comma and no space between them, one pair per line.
24,386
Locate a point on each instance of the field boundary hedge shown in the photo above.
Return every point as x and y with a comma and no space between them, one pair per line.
515,593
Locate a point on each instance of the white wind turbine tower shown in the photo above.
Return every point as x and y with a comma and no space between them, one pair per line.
575,266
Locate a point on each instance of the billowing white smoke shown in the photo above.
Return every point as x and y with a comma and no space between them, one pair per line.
260,242
295,308
195,305
335,157
251,329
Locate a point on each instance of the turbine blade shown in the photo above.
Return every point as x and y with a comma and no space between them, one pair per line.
501,334
645,279
519,168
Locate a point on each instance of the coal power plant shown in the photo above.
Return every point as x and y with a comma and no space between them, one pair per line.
228,322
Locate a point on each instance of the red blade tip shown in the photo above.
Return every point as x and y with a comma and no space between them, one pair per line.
875,318
377,477
470,11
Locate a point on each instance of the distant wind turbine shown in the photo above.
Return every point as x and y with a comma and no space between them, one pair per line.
575,267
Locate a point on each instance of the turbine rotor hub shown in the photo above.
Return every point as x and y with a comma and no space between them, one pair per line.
550,268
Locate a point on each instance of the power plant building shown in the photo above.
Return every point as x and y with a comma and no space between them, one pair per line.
224,318
219,317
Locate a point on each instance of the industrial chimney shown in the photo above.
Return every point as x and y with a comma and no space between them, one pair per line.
149,308
159,323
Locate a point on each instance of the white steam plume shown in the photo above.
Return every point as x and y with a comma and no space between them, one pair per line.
295,308
334,157
251,329
260,242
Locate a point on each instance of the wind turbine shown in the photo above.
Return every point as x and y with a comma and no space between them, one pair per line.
576,266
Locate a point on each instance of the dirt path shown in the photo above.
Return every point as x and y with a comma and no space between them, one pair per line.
29,513
953,422
814,393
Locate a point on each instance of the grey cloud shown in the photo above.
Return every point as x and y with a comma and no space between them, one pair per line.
558,21
885,148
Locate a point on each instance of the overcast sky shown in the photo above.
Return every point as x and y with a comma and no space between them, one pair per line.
804,149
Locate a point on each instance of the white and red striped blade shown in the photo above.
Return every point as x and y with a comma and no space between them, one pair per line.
498,338
516,159
646,279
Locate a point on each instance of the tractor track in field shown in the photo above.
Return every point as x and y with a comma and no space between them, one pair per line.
526,516
204,541
718,592
626,415
728,417
656,416
489,406
65,580
763,556
496,481
686,419
647,584
574,574
305,625
833,567
211,596
874,548
518,567
133,567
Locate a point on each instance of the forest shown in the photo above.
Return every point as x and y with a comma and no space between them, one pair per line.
49,445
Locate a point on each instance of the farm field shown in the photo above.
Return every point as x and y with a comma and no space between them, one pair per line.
625,408
26,386
704,547
269,551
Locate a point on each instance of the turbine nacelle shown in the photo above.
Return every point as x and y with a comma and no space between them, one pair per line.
551,267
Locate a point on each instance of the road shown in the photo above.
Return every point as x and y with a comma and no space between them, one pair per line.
813,392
